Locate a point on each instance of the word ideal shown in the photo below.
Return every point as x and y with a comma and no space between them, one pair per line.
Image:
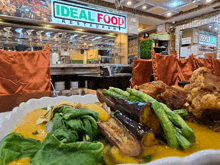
80,15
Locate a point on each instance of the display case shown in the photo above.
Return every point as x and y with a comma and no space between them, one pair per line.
67,46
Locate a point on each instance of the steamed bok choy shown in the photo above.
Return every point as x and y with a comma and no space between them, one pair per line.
71,141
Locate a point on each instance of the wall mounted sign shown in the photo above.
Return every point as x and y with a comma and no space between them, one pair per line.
186,40
63,12
207,39
70,13
161,36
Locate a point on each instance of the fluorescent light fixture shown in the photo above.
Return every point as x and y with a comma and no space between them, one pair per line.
208,1
129,3
169,14
47,26
96,38
175,3
193,1
144,7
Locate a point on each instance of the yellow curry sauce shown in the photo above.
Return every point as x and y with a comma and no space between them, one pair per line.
26,127
205,138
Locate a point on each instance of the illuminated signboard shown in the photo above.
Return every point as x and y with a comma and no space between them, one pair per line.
71,13
207,39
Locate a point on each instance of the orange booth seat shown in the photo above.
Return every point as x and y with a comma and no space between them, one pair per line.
23,75
142,70
170,69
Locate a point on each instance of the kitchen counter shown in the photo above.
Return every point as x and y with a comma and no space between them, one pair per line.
119,80
86,65
71,72
78,69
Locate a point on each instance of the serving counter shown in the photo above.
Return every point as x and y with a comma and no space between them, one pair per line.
71,72
68,69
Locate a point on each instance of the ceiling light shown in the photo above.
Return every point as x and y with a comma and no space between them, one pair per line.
193,1
169,14
144,7
129,3
208,0
47,26
210,26
175,4
216,28
80,30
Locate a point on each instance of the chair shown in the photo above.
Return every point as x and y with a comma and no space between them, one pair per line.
141,72
23,75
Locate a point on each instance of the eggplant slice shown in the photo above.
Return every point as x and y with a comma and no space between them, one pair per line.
120,136
135,127
107,99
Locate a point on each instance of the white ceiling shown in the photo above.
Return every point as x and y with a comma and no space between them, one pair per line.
161,7
155,22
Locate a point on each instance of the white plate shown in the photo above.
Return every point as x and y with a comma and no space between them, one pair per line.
205,157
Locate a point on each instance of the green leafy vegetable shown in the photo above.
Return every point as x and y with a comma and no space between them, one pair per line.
58,122
77,113
45,108
83,121
15,146
65,143
147,158
66,135
35,132
56,152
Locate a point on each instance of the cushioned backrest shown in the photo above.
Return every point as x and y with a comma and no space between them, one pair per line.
142,70
165,67
25,72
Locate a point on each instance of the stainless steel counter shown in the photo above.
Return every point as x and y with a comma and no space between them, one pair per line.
86,65
78,69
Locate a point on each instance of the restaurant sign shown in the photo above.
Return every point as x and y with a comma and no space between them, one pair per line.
71,13
207,39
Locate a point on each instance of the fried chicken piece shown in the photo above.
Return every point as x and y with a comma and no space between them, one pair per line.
204,92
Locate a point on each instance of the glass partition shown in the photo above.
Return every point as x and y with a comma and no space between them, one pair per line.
200,41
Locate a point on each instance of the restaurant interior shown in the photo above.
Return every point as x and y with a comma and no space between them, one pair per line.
107,82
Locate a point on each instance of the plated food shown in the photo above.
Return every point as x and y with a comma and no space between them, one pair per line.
120,127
